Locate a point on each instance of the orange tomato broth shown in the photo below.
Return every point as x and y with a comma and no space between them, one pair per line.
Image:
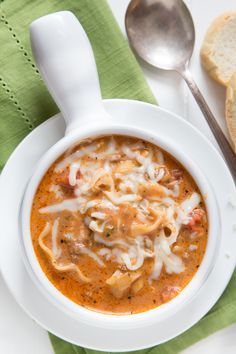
97,295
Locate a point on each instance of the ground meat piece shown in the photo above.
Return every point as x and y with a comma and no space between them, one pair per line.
177,174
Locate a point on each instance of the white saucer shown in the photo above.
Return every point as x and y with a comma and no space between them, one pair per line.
12,184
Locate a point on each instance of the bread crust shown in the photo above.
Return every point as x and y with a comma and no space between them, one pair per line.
230,113
208,46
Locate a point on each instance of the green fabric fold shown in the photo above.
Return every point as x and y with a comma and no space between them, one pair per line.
25,103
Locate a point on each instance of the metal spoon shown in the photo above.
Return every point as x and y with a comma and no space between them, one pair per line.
162,33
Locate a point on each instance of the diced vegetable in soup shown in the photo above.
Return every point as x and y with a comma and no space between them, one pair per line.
118,225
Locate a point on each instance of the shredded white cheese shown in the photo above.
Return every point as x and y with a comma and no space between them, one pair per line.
75,156
93,255
75,204
119,199
106,184
94,226
99,215
74,168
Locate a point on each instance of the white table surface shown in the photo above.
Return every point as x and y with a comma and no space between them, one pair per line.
18,333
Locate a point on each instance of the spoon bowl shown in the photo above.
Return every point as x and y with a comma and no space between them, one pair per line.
161,32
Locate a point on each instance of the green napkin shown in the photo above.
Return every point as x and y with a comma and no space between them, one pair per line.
25,103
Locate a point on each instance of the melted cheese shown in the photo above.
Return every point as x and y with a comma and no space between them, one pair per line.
75,204
164,257
96,227
75,156
99,215
186,207
107,243
119,199
91,254
74,168
105,187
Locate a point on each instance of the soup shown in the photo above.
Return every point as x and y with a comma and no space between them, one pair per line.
118,225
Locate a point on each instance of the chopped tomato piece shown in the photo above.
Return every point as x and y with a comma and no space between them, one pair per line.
169,292
196,217
78,174
66,188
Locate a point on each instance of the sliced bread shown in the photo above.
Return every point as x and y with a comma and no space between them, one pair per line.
218,52
231,109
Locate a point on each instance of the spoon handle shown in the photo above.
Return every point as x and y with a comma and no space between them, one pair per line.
225,146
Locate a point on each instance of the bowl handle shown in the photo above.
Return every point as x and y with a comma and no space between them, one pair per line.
66,62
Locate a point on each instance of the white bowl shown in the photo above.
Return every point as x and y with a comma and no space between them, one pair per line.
161,312
75,88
